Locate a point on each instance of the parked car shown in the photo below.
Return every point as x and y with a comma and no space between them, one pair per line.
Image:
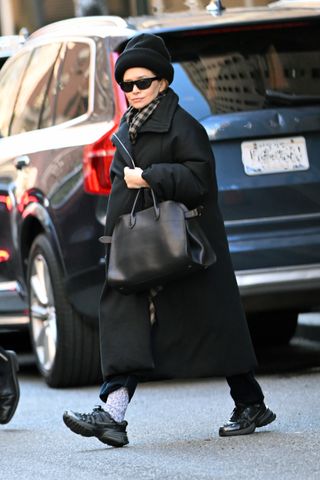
13,309
250,76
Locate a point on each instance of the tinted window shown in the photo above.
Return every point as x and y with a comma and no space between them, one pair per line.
73,83
34,88
247,70
2,61
10,79
47,117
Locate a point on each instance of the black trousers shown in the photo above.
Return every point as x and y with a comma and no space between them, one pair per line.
244,388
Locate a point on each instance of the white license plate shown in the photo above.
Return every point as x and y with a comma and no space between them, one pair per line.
274,156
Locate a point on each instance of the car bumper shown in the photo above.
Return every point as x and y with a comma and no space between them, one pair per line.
13,310
280,279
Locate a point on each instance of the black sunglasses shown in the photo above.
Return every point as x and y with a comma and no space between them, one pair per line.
142,84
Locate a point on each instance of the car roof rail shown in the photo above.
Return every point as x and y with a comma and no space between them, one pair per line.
215,6
24,33
73,24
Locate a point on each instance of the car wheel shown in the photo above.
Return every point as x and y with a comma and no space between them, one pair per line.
273,328
65,344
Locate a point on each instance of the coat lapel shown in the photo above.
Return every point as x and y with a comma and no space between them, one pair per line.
122,141
161,119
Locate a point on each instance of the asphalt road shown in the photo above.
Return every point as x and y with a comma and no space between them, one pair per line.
173,428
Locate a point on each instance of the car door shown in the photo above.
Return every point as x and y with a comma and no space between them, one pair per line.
11,76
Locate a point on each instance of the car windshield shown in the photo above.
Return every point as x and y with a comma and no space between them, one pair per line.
245,70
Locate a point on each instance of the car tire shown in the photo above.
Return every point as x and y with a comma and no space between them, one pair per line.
273,328
66,346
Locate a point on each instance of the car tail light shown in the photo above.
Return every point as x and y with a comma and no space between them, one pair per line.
25,200
4,255
7,201
98,156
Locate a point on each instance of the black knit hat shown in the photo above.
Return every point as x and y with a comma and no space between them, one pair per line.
145,51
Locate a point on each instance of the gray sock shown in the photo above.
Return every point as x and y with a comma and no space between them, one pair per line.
117,403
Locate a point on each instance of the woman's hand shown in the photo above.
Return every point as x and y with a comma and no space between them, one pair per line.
133,178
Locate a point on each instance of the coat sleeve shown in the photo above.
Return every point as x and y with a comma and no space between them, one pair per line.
187,175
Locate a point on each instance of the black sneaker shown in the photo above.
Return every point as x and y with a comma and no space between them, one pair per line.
97,424
246,418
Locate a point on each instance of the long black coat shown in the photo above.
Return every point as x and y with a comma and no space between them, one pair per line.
200,327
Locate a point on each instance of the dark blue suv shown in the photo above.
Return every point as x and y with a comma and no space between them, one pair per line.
251,77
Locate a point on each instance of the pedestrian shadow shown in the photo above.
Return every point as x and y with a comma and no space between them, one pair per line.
177,445
14,430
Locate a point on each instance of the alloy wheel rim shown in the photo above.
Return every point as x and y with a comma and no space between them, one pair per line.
43,313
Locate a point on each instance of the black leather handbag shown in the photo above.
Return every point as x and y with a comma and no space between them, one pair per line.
154,246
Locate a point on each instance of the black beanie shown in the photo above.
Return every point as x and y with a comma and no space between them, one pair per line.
145,51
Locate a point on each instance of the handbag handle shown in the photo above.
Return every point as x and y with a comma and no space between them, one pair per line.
129,159
155,206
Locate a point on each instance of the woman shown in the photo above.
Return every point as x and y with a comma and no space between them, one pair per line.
189,328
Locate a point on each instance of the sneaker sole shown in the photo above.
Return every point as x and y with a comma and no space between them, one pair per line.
112,438
107,436
265,419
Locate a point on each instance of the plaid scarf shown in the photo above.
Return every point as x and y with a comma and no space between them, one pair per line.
135,118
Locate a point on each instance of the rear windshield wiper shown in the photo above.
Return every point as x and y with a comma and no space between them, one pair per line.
280,98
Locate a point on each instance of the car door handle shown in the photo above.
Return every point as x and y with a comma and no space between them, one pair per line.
21,162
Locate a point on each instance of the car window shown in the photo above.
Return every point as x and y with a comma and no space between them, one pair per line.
10,79
49,107
245,71
73,83
2,61
34,88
